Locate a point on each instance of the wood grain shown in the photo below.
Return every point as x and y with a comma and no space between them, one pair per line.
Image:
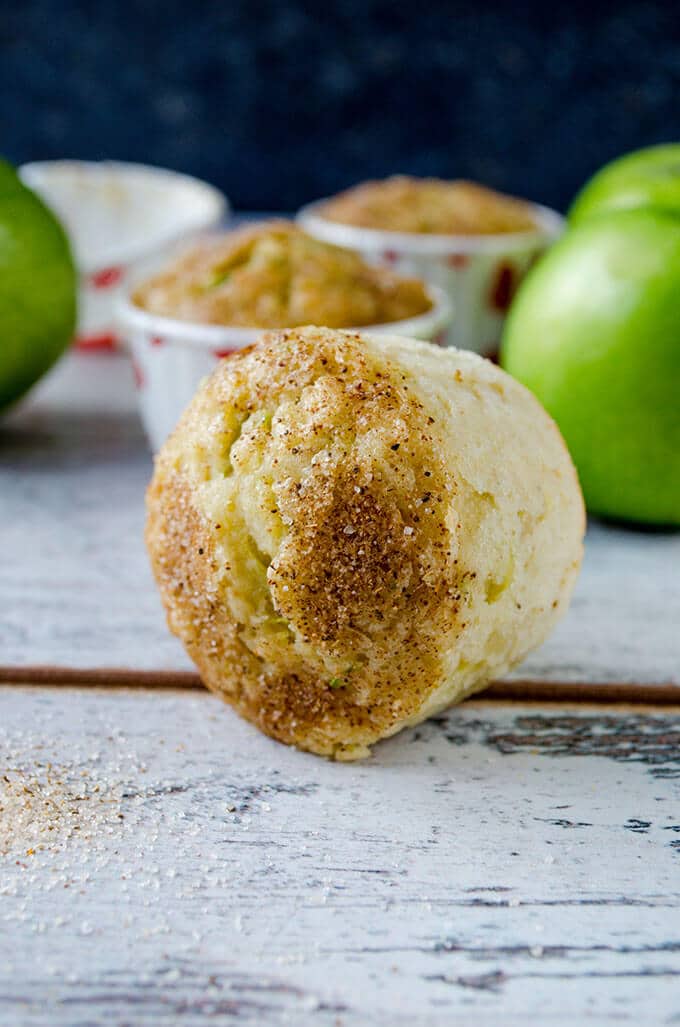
542,691
501,864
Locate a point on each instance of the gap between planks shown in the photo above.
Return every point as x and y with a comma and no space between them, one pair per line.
520,691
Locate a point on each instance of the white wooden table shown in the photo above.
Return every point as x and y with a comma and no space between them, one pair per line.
76,590
162,862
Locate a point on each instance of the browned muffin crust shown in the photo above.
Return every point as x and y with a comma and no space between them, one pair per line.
431,206
364,569
273,275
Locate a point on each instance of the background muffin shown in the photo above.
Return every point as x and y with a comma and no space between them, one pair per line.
273,275
430,205
469,241
352,532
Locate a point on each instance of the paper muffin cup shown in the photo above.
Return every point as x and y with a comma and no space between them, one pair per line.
116,214
171,357
479,273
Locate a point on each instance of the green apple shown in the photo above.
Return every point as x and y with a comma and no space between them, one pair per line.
645,178
594,332
37,288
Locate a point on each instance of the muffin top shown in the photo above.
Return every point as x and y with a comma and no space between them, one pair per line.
273,275
431,206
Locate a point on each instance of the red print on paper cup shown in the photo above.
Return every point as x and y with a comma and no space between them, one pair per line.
97,341
140,380
503,288
106,278
457,261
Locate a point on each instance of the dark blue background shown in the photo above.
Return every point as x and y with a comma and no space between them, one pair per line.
280,102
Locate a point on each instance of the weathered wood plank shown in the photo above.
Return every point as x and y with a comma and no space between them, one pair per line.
503,864
76,591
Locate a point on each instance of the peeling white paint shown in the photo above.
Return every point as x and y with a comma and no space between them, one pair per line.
503,864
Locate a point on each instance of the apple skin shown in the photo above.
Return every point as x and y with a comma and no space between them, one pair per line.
38,285
594,332
644,178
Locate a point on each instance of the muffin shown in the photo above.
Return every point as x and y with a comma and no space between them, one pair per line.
472,243
351,532
274,275
429,206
